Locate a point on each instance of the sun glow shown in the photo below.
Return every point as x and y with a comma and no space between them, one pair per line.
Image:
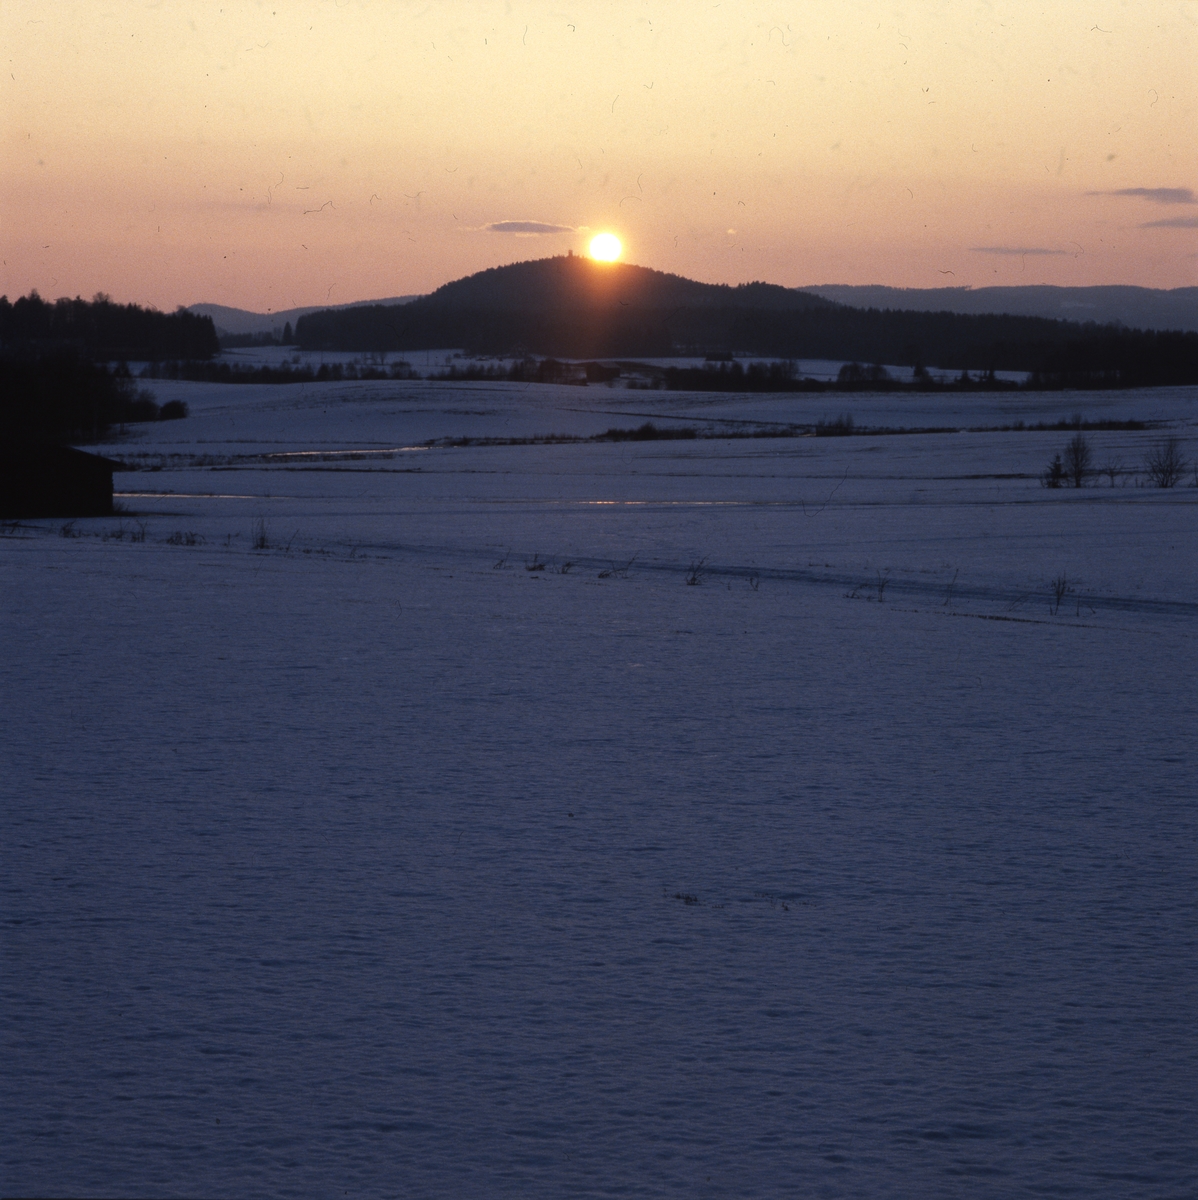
605,247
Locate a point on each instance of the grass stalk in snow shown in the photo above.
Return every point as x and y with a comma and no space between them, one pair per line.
1060,589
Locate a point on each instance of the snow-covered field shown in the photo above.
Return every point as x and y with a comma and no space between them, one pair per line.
726,817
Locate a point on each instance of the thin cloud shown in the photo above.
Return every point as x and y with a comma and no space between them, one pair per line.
1156,195
527,227
1019,251
1172,223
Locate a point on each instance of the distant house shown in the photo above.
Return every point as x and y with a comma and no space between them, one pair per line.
38,480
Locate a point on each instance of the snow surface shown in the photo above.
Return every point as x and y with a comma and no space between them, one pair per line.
373,861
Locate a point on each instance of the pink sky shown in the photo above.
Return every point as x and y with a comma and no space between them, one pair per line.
325,152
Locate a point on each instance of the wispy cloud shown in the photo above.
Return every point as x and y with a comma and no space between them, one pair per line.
527,227
1019,251
1156,195
1172,223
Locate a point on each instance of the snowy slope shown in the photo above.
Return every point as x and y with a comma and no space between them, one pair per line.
371,859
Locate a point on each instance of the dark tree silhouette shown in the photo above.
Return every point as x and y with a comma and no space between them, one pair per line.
1165,463
1054,476
1077,460
103,330
63,397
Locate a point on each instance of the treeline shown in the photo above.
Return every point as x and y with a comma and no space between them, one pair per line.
102,330
530,370
783,376
225,372
1114,357
65,397
246,341
1055,350
853,377
1060,353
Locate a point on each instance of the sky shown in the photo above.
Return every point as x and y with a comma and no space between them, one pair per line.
280,153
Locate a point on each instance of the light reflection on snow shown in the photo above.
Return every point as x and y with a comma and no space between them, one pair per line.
677,503
187,496
334,454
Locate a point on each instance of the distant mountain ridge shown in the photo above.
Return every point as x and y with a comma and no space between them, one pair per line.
1135,307
242,321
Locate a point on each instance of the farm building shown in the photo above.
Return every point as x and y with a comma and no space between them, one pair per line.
39,480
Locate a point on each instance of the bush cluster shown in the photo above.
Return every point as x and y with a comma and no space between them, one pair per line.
64,397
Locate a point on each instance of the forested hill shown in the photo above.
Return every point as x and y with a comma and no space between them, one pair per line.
566,305
102,330
574,282
575,308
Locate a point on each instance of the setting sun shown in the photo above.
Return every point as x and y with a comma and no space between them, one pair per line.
605,247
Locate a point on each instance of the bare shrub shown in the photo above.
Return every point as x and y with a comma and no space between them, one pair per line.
1166,464
142,407
695,574
1060,589
841,427
620,572
948,592
261,541
1077,460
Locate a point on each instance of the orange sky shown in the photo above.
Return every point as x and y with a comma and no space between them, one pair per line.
268,155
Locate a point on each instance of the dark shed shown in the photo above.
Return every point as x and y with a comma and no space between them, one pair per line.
39,480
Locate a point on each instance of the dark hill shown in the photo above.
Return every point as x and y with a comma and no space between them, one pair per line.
578,283
575,308
569,306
